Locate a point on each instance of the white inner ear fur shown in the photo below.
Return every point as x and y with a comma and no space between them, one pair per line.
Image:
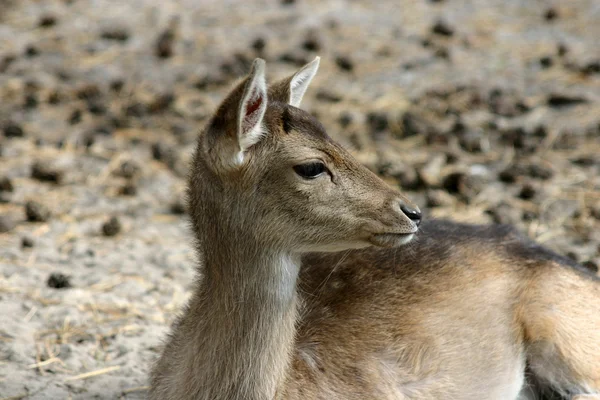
252,110
301,80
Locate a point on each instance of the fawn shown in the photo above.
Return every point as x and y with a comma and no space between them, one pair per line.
316,285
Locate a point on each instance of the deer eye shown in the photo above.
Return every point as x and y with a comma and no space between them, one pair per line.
310,170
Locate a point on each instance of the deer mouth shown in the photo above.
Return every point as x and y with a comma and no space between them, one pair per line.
391,239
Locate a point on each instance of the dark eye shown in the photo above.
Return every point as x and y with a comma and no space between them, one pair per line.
310,170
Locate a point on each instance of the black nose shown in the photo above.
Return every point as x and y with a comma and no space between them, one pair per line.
413,213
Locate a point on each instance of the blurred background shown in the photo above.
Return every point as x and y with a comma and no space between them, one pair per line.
486,111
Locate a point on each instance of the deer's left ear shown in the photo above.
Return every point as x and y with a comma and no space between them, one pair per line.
291,89
252,107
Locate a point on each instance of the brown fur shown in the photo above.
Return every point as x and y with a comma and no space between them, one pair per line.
461,312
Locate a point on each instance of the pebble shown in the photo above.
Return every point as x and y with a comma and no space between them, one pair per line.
439,198
551,14
44,172
344,63
259,44
116,33
7,223
12,130
129,189
377,122
505,214
57,280
528,191
430,173
312,42
127,169
111,227
27,242
442,27
6,185
36,212
178,207
591,265
559,99
47,21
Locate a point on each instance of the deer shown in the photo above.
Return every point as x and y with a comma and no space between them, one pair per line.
318,280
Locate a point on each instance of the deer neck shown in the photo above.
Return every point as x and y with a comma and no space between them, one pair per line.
249,303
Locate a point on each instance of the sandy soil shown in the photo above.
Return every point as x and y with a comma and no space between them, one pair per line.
481,111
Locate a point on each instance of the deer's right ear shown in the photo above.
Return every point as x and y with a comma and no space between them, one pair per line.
291,90
237,124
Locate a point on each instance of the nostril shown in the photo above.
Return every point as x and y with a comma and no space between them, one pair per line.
413,213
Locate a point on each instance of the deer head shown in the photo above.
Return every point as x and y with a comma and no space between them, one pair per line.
267,171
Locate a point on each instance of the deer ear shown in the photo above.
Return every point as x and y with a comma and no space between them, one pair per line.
291,90
252,107
237,123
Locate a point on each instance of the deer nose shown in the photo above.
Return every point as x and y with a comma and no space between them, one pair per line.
413,213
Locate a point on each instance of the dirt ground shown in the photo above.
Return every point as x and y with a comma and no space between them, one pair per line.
481,111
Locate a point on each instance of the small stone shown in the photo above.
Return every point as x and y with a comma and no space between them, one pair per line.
36,212
7,223
96,107
161,102
54,97
377,122
6,185
328,96
12,130
165,43
128,169
31,100
591,67
75,117
546,61
413,124
88,92
259,44
505,214
116,33
27,242
475,141
112,227
573,256
540,171
586,161
528,191
510,174
430,173
443,28
591,265
47,21
293,59
117,85
345,119
31,51
595,212
56,280
408,178
44,172
562,49
164,152
178,207
551,14
136,110
129,189
466,185
565,100
439,198
312,42
344,63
